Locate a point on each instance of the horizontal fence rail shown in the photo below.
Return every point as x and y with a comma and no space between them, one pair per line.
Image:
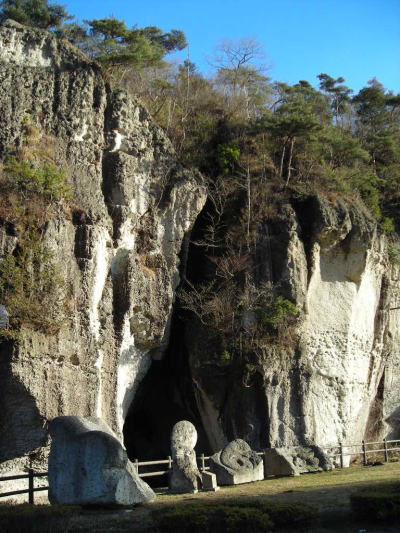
336,451
30,476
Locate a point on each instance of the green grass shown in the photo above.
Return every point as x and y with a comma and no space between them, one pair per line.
235,516
27,518
379,504
328,492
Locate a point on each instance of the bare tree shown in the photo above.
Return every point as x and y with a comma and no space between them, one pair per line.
240,71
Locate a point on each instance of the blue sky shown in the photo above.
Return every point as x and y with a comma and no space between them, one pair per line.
356,39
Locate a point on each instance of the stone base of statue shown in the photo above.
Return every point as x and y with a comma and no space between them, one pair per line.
209,481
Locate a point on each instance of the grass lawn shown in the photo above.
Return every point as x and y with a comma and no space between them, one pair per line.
328,491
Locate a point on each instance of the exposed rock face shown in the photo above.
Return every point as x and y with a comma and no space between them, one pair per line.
336,379
118,249
89,466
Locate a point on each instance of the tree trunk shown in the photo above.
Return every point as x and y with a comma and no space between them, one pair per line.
248,206
289,169
282,159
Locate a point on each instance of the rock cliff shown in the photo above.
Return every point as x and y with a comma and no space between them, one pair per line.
336,379
119,246
333,376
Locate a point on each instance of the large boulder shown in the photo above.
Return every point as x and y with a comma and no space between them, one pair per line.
88,465
184,476
293,461
237,463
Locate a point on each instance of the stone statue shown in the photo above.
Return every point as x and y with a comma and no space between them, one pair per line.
185,475
237,463
88,465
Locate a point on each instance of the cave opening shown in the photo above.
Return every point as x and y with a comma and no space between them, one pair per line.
164,397
166,394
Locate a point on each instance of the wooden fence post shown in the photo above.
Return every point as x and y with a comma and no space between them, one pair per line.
203,464
137,466
364,452
30,486
386,451
341,455
169,462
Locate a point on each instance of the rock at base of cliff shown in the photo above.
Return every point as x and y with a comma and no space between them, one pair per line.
293,461
237,463
184,476
89,466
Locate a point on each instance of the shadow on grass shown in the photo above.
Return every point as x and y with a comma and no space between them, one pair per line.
329,492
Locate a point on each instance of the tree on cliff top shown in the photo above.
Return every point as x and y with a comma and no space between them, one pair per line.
37,13
113,43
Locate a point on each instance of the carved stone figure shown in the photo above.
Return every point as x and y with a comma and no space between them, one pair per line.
88,465
237,463
293,461
185,475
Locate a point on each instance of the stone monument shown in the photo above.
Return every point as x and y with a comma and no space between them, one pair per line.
88,465
296,460
184,476
237,463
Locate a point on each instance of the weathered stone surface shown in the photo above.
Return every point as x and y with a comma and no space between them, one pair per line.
118,249
295,461
88,465
337,378
184,476
237,463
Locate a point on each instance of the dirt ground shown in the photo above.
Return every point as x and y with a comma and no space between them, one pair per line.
328,491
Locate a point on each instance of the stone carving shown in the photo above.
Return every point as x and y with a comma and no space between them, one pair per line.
185,475
295,461
88,465
237,463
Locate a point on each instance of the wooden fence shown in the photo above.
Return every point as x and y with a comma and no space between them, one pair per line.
30,476
337,452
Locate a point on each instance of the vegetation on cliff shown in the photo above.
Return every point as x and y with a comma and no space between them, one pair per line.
259,145
33,192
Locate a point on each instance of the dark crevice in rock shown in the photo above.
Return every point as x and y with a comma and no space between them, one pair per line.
120,272
57,91
375,426
305,210
299,378
164,397
166,394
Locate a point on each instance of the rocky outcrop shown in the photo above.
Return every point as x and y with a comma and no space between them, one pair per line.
89,466
118,246
334,377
